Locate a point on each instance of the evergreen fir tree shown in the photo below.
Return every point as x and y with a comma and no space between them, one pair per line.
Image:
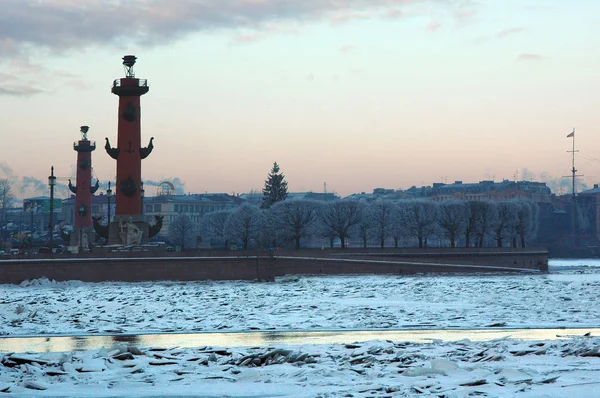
275,188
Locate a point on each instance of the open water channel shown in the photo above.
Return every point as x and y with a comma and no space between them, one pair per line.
248,339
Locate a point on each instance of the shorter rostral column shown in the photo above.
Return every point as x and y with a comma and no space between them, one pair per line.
82,234
129,226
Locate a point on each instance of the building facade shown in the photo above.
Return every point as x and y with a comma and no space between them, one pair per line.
192,205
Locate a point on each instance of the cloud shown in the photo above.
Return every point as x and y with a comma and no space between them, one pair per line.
348,48
530,57
58,26
18,90
61,27
28,187
176,181
32,184
464,16
558,185
346,16
502,34
434,26
508,32
6,171
394,13
15,81
248,38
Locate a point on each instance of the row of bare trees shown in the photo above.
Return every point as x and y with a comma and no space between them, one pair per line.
6,199
405,223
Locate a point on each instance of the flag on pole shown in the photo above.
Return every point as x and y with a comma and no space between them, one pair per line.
572,134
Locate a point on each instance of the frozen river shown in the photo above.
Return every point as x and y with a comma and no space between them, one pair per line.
565,297
380,313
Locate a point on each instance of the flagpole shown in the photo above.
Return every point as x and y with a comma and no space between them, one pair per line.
573,203
573,170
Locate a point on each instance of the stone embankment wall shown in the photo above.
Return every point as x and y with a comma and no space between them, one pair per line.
266,265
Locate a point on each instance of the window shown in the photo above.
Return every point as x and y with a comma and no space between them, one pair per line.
95,209
149,208
157,208
176,208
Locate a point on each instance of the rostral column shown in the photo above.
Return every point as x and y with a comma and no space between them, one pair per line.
83,190
129,154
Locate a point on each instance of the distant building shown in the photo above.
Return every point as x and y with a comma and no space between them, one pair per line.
589,203
99,208
317,196
255,198
35,214
380,194
490,190
505,190
192,205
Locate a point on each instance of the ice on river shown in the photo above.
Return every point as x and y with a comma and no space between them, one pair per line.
563,298
567,296
500,368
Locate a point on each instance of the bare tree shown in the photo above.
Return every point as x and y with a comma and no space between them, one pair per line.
486,214
527,220
6,195
365,225
268,233
213,225
503,225
182,231
420,219
453,216
295,219
243,225
6,199
382,216
339,217
471,222
398,229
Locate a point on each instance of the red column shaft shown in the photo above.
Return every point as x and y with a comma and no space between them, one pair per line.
129,164
83,195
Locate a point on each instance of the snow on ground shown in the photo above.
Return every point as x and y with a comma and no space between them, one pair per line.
500,368
568,296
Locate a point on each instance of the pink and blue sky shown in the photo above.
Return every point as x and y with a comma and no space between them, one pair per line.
357,93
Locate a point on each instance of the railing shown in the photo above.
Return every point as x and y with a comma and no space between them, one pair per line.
141,83
76,143
91,145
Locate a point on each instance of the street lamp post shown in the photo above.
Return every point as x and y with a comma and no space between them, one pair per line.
142,201
51,183
31,209
108,194
82,211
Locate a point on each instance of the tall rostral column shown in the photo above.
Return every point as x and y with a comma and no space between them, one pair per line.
81,235
129,227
